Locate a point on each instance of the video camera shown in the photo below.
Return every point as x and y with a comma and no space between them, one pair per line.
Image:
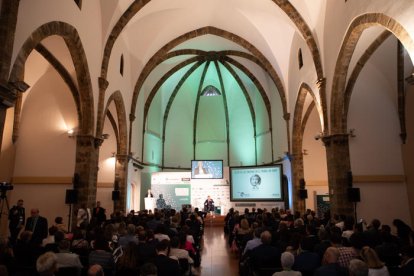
6,186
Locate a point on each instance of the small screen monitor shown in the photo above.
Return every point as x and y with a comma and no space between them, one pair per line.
207,169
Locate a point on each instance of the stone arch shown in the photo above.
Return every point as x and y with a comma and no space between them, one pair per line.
121,130
284,5
74,44
164,52
358,25
159,56
299,123
122,157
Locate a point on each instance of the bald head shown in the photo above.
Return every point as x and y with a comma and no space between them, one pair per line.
331,255
95,270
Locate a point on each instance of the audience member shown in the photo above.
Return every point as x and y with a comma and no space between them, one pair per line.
46,264
265,255
375,266
17,216
330,265
287,260
95,270
358,268
165,265
407,263
37,225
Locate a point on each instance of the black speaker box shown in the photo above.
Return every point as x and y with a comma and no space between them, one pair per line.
116,195
71,197
349,179
302,183
303,194
354,195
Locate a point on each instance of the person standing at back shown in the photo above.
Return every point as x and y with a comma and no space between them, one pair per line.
98,213
37,225
17,216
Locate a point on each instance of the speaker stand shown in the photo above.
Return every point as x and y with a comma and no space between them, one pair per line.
355,212
70,217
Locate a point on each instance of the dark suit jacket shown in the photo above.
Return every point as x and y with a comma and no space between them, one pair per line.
265,256
99,213
407,269
40,230
331,270
307,262
167,266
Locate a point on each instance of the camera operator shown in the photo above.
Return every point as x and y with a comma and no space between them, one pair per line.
17,219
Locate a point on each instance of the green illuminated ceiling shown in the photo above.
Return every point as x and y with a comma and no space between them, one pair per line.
181,124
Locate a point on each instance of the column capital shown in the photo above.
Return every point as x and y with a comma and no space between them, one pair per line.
321,82
338,139
131,117
103,83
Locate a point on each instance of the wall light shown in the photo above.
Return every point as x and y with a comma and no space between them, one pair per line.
71,133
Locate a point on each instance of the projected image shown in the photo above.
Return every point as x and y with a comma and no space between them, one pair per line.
207,169
256,183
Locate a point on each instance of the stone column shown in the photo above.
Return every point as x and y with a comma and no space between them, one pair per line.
298,173
121,178
337,157
87,158
8,97
8,20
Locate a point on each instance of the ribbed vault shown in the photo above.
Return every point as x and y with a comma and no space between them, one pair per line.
180,123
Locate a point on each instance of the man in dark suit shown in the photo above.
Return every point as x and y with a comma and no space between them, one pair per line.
17,218
265,255
330,265
209,205
98,213
37,225
165,265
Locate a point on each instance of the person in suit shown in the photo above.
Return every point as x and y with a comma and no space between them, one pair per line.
200,169
37,225
165,265
149,193
265,255
209,205
98,213
161,204
17,216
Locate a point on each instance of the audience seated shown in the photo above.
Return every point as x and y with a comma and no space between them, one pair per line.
265,255
375,266
330,265
165,265
358,268
46,264
287,259
66,259
127,245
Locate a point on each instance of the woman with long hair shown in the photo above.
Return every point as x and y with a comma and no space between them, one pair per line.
375,266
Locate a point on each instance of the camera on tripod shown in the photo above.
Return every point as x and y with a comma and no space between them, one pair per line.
6,186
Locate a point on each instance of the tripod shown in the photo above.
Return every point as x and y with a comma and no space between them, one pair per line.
3,201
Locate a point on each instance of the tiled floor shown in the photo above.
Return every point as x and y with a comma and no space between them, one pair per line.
216,258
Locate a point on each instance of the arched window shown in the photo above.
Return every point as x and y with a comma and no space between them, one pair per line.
300,58
121,66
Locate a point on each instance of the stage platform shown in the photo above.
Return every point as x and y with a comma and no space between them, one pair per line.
214,220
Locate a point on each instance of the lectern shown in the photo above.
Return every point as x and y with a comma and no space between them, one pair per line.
149,203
